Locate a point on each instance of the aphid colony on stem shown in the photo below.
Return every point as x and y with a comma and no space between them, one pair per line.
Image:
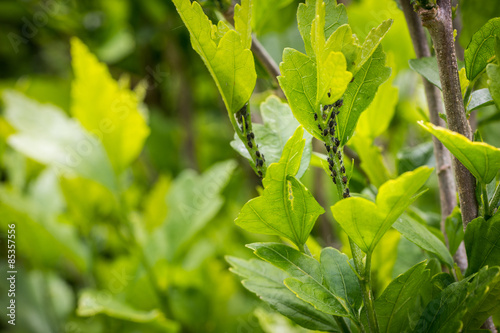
245,122
327,125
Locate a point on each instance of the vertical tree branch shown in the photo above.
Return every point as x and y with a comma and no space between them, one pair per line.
447,188
437,20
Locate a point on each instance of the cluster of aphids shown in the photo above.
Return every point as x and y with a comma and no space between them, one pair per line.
246,128
332,143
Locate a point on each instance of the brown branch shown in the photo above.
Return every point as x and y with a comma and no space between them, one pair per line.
438,22
447,188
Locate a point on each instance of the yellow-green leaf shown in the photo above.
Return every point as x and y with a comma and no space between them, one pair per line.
286,208
243,22
228,58
333,78
481,159
106,108
365,221
371,43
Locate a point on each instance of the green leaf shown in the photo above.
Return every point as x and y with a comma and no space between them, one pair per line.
365,221
493,72
266,281
336,16
360,93
482,242
481,48
93,302
428,68
286,208
397,302
454,230
340,278
47,135
375,120
481,159
106,108
371,43
305,280
480,98
278,126
343,40
192,201
298,81
483,299
421,236
371,157
443,314
229,61
243,22
333,79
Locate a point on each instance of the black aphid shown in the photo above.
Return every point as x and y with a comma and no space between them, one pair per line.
342,169
330,161
334,181
250,144
257,153
337,142
319,126
344,179
334,173
332,131
331,123
325,132
327,148
334,149
315,116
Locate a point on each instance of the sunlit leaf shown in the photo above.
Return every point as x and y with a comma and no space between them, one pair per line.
481,159
298,81
286,208
228,60
365,221
336,16
370,44
106,108
242,22
361,92
47,135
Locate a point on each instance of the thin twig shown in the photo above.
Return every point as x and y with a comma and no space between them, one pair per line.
447,188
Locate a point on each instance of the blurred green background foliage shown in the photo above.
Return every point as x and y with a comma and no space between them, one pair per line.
147,255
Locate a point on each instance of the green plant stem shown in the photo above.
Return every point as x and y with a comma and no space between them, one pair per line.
486,203
494,200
